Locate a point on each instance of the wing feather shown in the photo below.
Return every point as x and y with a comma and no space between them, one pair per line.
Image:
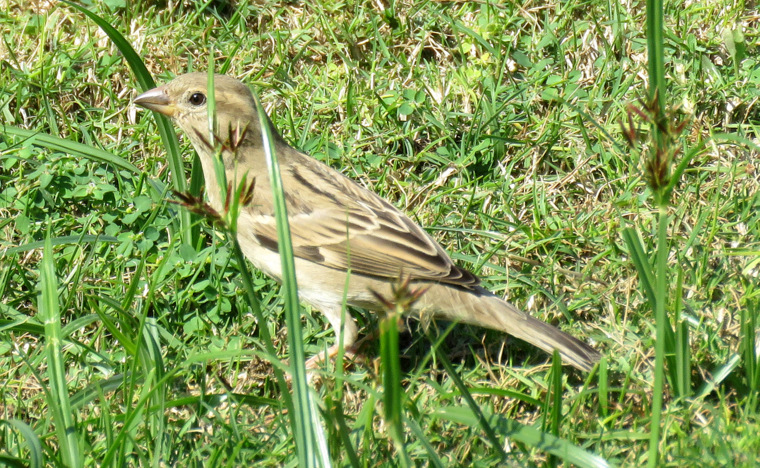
341,225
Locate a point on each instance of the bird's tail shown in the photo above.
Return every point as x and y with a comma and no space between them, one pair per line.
480,307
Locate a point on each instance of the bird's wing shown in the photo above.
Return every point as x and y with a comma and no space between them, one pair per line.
339,224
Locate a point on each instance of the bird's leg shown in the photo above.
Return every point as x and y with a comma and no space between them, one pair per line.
340,319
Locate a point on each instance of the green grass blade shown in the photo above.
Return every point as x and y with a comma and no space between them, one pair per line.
59,241
604,390
73,148
58,401
308,428
528,435
88,394
421,437
681,372
36,456
165,129
648,282
393,392
749,350
335,411
641,262
656,53
483,423
662,324
554,400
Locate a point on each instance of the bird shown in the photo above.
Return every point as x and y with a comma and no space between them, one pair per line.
348,242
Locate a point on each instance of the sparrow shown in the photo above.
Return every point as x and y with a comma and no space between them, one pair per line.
347,241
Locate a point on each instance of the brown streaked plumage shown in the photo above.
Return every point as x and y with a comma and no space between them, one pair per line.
337,225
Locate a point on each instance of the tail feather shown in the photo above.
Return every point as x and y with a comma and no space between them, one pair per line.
480,307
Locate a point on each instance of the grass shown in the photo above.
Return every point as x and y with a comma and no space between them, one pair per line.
496,127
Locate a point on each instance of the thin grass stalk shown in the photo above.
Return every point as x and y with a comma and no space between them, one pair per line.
341,432
482,421
661,319
433,458
309,433
656,53
657,96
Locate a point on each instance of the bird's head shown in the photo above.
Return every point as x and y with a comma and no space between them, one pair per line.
186,98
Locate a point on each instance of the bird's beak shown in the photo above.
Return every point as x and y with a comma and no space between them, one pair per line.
157,100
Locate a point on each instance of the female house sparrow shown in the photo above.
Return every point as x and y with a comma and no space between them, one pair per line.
336,225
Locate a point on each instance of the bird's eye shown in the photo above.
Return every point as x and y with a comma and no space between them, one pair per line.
197,99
